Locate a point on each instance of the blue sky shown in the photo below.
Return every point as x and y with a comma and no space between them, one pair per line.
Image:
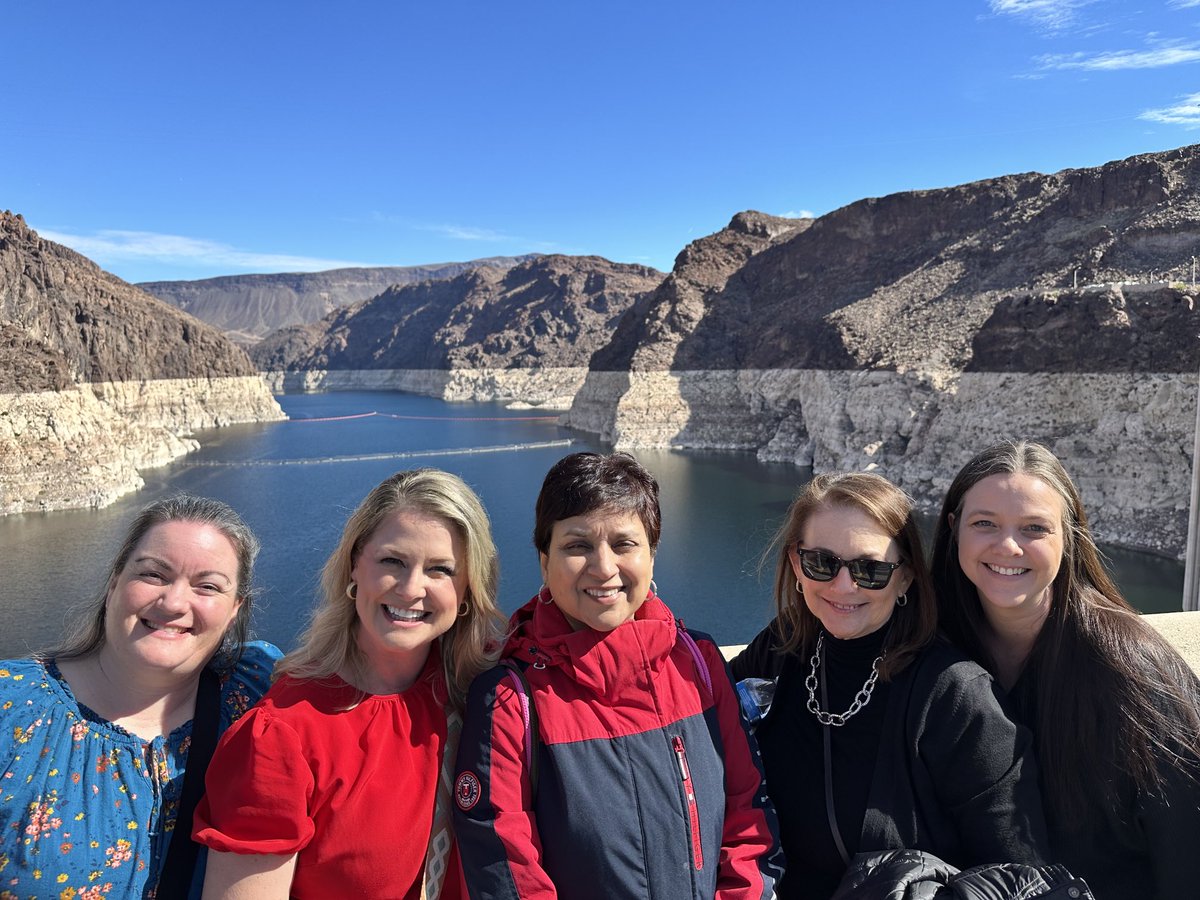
179,141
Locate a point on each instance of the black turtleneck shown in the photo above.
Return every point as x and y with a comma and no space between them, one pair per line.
793,754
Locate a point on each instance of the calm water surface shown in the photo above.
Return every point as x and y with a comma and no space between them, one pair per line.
297,481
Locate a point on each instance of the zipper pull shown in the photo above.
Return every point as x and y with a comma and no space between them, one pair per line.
677,743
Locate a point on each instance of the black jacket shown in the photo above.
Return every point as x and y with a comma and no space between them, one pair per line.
953,775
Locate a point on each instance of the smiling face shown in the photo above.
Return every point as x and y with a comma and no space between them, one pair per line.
598,568
170,605
1010,544
411,578
845,609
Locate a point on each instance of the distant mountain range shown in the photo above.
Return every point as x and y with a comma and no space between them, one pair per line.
247,307
547,311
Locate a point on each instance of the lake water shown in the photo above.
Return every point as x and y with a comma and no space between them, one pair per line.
295,482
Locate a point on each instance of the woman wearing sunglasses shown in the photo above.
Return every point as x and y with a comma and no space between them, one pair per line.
879,736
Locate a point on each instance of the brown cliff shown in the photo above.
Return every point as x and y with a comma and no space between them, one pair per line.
248,307
99,379
907,281
64,320
553,311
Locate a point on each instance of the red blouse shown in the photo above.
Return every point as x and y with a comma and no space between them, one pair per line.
350,790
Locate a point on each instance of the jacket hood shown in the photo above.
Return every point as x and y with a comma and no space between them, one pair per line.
604,662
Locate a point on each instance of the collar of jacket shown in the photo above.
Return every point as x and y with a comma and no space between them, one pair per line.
606,663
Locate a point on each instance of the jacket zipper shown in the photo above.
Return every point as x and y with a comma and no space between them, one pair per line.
692,807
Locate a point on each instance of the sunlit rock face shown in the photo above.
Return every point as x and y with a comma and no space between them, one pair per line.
99,380
522,336
905,333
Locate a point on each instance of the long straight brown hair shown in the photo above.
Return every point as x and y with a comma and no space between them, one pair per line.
1105,690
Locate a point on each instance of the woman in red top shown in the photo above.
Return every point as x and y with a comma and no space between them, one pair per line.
334,784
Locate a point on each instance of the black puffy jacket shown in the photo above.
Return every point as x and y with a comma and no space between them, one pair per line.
915,875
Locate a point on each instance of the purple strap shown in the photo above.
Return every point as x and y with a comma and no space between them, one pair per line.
690,642
519,687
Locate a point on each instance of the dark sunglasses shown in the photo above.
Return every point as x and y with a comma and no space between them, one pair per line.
871,574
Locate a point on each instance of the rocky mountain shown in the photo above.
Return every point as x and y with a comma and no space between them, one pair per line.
905,333
99,379
546,316
247,307
64,320
906,281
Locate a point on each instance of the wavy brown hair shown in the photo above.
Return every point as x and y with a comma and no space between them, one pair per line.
1101,688
914,625
473,641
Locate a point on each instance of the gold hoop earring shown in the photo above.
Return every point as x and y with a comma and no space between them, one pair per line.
544,595
463,609
352,590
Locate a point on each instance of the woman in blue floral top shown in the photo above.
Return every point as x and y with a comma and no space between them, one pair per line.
94,734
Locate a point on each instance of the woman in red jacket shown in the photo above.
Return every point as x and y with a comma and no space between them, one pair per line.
616,765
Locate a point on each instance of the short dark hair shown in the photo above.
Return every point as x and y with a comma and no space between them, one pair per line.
585,482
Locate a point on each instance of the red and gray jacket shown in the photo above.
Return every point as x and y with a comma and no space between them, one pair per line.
648,785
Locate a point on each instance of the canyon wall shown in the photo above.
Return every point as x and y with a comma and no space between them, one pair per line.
906,333
247,307
1126,438
99,380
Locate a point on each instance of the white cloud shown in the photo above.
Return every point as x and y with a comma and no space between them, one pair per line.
1155,58
1186,112
1182,4
111,246
798,214
1049,14
467,233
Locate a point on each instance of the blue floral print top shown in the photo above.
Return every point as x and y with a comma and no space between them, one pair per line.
87,809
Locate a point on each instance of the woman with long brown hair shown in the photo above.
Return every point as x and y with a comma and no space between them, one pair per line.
1114,709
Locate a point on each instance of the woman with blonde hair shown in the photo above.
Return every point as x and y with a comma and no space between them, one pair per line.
878,736
336,784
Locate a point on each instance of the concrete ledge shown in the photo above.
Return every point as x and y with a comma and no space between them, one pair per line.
1182,629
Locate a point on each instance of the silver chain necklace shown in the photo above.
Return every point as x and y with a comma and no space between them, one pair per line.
861,699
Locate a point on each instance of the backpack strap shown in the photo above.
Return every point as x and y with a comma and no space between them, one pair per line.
685,637
175,880
516,675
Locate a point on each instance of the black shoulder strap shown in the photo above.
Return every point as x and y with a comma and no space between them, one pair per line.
176,878
516,674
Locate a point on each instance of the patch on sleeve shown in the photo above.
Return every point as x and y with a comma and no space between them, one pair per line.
467,790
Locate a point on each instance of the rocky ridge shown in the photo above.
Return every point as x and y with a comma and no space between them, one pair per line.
99,379
247,307
904,333
479,335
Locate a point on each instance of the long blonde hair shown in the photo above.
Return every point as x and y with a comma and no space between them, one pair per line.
473,641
